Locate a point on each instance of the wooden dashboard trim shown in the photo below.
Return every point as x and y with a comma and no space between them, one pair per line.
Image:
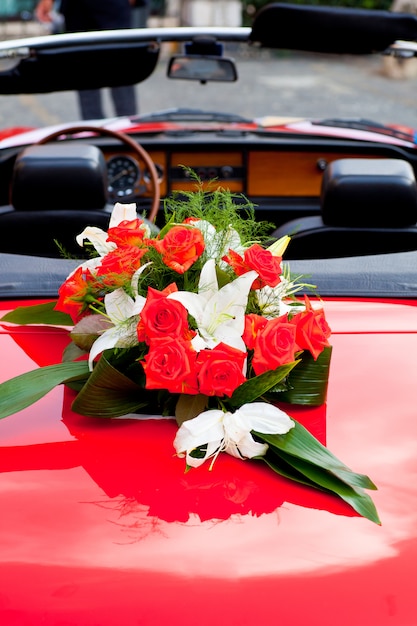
287,173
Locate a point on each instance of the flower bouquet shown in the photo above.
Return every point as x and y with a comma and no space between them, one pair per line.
201,321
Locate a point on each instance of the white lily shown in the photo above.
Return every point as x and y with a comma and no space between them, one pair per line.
219,313
279,246
230,432
123,312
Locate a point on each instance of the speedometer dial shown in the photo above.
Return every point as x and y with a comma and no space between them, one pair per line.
123,174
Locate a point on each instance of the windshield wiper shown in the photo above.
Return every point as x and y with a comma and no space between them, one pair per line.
366,125
194,115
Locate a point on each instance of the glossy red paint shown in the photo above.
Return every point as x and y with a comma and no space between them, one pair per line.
100,525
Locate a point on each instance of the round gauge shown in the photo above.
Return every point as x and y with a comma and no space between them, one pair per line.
123,174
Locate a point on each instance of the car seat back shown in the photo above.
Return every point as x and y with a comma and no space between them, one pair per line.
57,190
368,206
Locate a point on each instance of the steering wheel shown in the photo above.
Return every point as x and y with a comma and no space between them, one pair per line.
137,148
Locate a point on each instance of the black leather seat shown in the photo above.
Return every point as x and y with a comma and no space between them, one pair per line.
57,190
368,206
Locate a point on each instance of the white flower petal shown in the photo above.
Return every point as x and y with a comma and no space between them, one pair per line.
264,418
119,305
106,341
227,306
121,336
247,447
135,278
122,212
191,301
228,335
208,285
232,241
205,429
97,237
231,432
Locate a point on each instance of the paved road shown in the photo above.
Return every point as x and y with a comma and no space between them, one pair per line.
283,85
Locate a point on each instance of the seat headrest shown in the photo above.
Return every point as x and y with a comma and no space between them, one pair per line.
378,193
59,176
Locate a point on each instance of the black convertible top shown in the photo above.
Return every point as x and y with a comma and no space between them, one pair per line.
379,276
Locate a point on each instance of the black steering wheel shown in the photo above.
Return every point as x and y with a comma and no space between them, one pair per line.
137,148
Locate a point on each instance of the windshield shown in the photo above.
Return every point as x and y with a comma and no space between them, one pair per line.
270,83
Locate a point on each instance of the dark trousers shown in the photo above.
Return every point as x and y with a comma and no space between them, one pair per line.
87,15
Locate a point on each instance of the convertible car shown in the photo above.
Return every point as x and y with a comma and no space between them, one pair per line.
100,524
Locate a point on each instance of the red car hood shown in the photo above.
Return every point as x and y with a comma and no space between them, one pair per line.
100,524
361,131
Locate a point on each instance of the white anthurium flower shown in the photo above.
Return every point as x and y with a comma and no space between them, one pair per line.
230,432
123,312
98,237
219,313
122,213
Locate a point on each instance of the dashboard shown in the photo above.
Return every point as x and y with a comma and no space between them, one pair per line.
283,178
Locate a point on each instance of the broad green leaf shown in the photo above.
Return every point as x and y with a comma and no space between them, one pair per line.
255,388
316,476
189,406
38,314
307,383
300,443
22,391
109,393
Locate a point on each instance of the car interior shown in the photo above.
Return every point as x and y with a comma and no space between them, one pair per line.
337,198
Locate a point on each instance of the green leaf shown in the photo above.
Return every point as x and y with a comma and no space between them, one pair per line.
38,314
300,443
313,475
307,383
109,393
22,391
189,406
254,388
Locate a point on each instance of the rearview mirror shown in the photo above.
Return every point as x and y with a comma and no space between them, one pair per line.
202,68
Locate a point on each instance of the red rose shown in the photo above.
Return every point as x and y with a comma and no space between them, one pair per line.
275,345
170,364
162,317
76,293
180,247
127,233
267,266
118,266
253,325
220,370
312,330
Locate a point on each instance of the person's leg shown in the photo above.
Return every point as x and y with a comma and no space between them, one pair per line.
90,104
84,15
124,100
140,16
